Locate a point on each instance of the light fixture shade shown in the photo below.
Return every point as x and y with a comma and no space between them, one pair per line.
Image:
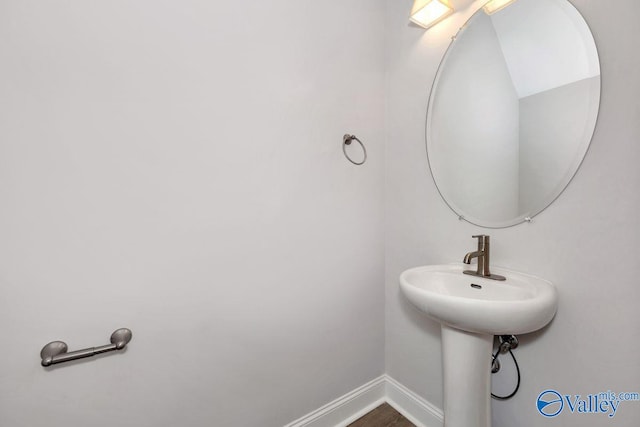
428,13
495,5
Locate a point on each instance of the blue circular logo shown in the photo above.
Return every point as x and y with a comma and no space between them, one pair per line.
550,403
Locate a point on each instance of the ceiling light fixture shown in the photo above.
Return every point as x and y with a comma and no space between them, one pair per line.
496,5
428,13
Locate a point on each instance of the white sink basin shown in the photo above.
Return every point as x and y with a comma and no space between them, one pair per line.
518,305
471,310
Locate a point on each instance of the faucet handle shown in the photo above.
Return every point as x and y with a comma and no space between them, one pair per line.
483,241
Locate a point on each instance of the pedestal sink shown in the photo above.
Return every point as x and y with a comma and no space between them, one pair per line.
471,311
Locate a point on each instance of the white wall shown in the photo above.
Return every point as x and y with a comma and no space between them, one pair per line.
585,242
176,168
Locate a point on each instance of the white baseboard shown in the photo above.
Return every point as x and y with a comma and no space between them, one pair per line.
348,408
414,408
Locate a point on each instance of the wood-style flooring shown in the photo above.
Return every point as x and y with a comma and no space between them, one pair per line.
383,416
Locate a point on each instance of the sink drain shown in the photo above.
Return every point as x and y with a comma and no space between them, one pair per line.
474,286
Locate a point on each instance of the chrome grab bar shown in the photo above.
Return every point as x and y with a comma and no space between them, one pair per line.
56,351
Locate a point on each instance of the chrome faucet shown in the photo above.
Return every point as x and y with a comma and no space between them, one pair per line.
483,259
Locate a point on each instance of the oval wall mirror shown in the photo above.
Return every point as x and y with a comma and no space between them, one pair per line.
512,111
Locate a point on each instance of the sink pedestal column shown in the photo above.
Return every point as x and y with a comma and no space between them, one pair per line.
466,362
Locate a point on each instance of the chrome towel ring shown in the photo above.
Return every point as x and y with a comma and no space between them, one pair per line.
346,140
